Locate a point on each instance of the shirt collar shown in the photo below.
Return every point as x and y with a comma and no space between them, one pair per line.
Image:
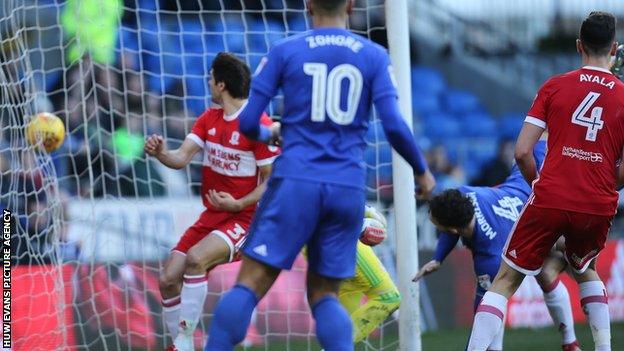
597,69
234,115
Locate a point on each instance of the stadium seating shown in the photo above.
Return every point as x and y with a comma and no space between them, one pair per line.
451,117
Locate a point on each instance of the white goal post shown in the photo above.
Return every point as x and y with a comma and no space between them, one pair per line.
403,182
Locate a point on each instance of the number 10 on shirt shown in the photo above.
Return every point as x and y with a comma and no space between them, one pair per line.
327,91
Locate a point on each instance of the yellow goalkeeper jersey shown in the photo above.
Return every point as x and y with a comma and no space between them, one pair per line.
372,281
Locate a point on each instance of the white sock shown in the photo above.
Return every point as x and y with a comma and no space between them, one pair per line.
497,343
171,315
595,306
194,291
558,301
488,321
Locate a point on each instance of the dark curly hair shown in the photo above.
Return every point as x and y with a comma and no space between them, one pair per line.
451,208
232,71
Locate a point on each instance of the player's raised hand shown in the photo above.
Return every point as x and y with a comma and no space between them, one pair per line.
154,145
223,201
425,184
428,268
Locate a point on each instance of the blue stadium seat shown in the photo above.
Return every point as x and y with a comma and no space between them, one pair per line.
257,43
213,22
479,125
296,22
460,102
255,24
214,43
509,125
191,35
425,103
441,126
275,31
427,80
433,117
233,22
128,39
235,42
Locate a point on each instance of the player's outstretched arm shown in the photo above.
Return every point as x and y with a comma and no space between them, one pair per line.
529,135
401,138
176,159
446,243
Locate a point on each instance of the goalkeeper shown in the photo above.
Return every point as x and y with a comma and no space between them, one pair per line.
371,281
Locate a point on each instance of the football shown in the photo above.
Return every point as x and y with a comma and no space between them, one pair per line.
47,130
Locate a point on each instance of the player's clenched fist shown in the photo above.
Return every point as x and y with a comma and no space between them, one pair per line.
154,145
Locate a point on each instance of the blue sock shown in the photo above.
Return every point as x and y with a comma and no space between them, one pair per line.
334,329
231,319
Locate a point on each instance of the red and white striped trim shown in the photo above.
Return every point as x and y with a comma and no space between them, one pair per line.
492,310
172,302
594,299
193,280
535,121
227,240
196,139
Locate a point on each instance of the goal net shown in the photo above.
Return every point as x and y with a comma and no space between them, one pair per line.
94,221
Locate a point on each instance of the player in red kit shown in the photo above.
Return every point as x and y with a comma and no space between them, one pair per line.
575,194
235,172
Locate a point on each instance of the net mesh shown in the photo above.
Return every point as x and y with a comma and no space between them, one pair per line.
95,220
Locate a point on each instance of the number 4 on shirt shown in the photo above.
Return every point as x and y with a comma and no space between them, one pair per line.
593,122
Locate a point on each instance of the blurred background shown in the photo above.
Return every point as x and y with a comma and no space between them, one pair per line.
118,70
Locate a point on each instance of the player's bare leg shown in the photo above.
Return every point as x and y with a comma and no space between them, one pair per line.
491,312
257,276
230,325
595,305
332,320
557,299
203,256
170,283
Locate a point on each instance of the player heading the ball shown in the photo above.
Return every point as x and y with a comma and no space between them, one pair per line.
575,194
315,197
234,176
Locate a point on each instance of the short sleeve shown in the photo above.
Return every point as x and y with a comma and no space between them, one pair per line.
265,154
266,78
198,132
384,82
539,109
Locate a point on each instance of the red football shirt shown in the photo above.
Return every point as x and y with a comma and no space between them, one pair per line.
583,111
230,160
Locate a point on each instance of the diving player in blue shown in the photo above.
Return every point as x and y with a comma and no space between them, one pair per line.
483,217
316,194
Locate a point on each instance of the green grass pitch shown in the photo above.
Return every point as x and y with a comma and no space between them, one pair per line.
515,340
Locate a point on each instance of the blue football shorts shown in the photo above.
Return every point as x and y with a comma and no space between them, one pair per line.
293,213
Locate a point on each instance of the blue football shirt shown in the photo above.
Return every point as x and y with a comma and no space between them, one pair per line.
329,77
496,211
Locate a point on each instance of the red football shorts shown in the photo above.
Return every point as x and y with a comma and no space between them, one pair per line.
537,230
231,227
